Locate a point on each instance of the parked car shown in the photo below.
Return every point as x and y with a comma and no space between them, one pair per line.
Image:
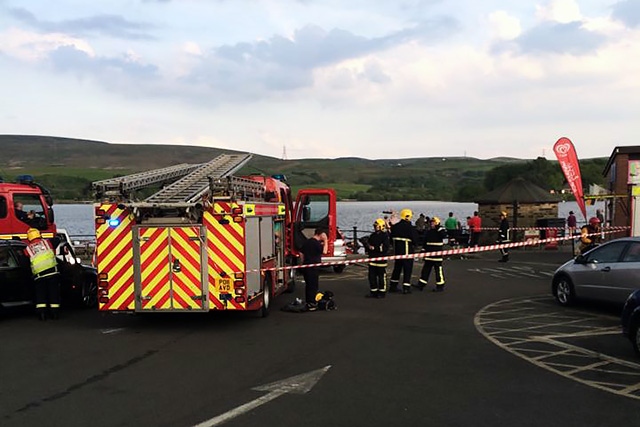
78,281
631,320
608,273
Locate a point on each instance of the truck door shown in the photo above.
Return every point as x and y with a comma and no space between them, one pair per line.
314,208
168,268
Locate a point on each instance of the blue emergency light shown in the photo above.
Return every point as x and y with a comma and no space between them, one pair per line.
114,222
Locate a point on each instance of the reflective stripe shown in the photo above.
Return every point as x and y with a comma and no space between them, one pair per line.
434,244
54,305
42,258
41,305
374,264
404,239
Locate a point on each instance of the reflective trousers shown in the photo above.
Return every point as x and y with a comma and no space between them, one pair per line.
48,293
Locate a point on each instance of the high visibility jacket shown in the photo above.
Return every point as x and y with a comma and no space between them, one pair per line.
42,258
404,237
587,240
380,243
434,242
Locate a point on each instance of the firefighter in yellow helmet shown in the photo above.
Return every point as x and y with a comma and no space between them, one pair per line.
44,267
433,242
503,236
404,237
377,245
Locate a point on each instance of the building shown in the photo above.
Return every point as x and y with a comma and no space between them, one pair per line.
622,173
524,202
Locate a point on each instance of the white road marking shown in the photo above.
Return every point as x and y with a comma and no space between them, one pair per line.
112,331
299,384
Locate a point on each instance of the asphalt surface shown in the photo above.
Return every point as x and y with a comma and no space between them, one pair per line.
493,349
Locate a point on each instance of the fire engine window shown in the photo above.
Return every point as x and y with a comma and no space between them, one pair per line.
317,210
29,209
3,207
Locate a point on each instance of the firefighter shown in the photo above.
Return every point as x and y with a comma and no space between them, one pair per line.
503,236
433,242
44,267
404,238
589,235
378,246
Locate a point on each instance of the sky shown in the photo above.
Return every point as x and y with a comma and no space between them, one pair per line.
326,78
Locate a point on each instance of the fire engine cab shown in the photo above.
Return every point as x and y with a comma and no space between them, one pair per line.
25,204
209,240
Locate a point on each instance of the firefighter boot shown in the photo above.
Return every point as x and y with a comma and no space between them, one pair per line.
438,288
42,315
393,288
406,289
381,294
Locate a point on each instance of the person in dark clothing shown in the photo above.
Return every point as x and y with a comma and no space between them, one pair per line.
404,238
434,242
26,217
312,251
378,246
503,236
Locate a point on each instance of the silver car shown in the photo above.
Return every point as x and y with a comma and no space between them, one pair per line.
609,273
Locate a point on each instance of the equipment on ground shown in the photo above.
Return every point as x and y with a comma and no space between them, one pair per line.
210,240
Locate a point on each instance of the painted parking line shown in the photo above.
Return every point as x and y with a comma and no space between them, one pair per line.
541,334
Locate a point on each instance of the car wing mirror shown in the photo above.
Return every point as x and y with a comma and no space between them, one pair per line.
580,259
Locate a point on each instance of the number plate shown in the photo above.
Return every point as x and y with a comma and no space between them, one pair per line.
223,285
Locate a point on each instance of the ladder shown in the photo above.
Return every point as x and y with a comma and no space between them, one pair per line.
191,187
122,186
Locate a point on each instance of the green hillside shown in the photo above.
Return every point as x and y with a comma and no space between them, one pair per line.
68,166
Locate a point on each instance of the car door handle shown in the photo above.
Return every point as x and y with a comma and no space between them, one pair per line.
606,269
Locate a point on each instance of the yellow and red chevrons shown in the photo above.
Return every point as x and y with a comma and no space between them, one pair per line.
114,255
225,252
170,271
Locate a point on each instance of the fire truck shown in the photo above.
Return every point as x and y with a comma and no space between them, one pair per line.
37,211
207,240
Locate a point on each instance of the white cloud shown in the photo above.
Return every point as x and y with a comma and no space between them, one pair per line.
31,46
562,11
504,26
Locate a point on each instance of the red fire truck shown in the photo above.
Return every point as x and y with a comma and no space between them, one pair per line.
208,241
35,209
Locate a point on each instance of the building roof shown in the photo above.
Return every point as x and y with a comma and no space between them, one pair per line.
517,190
631,149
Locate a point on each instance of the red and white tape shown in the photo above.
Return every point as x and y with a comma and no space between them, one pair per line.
420,255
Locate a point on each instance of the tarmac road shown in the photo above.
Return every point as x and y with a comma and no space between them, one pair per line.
478,354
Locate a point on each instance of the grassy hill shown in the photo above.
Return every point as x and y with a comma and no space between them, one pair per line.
68,166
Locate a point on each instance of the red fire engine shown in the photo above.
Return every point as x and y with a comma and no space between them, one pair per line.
208,241
35,211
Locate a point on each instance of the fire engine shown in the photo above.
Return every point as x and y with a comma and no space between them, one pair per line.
37,211
207,240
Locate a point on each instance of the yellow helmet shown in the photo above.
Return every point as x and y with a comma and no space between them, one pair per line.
503,213
379,224
435,220
33,234
406,214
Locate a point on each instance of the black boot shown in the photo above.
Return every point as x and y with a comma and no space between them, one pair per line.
372,294
438,288
419,285
393,288
381,294
406,289
42,316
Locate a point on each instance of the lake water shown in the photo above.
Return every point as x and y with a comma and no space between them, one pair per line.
78,219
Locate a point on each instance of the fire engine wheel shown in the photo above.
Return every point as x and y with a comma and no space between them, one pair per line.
266,297
339,268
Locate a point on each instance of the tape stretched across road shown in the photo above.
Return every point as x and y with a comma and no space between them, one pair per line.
420,255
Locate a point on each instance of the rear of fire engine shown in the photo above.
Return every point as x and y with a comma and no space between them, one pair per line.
209,241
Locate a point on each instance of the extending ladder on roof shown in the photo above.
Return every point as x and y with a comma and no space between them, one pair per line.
191,187
124,185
